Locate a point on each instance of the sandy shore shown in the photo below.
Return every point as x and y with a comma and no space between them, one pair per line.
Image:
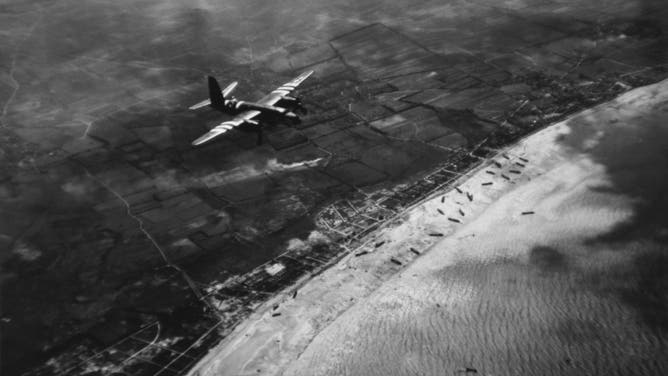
511,273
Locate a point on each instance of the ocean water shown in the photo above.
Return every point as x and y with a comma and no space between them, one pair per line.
579,288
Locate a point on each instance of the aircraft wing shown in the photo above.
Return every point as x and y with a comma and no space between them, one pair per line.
226,126
287,88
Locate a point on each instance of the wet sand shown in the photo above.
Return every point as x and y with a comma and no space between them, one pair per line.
557,267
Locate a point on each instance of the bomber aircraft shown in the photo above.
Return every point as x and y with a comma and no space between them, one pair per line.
248,114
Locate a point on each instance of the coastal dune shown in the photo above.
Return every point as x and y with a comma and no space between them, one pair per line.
549,260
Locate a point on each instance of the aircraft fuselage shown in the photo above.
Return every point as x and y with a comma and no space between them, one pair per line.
233,107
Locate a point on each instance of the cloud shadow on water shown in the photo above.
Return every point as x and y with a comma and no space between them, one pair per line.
634,151
547,259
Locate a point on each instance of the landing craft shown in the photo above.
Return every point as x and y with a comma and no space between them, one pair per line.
248,113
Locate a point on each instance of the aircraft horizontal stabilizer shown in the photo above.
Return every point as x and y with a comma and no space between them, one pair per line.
201,104
229,89
214,89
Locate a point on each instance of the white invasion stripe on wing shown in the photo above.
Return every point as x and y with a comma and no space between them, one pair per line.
220,129
285,89
227,125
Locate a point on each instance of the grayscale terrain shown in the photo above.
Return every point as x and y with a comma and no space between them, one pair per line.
124,250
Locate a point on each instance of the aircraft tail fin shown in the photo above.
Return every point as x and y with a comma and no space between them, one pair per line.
215,94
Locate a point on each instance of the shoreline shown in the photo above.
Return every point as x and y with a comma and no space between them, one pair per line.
266,307
281,328
560,274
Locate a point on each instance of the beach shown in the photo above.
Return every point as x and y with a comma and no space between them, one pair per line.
556,267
